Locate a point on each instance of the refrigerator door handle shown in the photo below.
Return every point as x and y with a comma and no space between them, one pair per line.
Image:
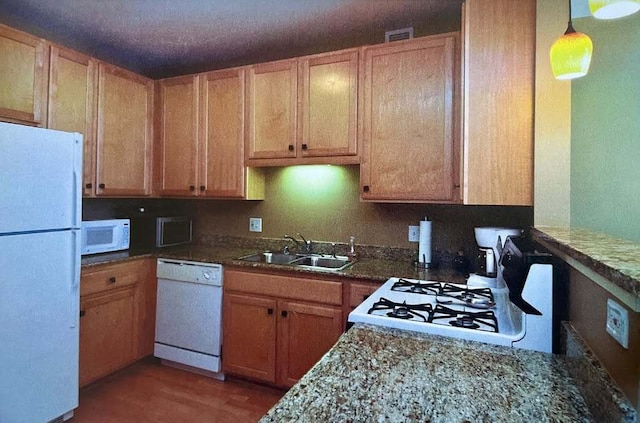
74,287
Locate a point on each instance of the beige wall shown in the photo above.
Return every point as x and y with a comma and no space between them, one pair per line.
324,205
552,153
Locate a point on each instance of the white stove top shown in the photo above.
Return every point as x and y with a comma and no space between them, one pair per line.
440,308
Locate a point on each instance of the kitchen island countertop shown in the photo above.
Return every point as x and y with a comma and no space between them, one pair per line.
382,374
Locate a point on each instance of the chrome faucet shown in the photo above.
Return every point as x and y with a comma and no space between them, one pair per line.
307,245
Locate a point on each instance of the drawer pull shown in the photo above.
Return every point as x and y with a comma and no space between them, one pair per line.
284,313
102,186
89,185
82,313
269,311
112,279
291,147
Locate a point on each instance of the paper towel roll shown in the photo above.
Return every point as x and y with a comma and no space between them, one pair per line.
424,243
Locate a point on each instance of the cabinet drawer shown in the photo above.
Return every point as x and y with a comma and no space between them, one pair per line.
358,292
286,287
109,276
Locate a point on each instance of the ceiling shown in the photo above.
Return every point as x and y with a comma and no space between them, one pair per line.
160,38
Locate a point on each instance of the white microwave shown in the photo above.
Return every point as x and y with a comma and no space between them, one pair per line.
102,236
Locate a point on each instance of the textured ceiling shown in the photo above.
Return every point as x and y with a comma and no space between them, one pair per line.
161,38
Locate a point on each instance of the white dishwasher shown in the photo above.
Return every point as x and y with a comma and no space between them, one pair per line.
189,316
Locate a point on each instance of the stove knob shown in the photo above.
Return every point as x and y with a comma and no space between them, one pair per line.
207,275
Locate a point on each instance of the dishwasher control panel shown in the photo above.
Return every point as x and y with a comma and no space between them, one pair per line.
190,271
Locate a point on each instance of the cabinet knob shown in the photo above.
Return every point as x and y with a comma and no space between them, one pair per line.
269,311
291,147
82,313
102,186
192,188
305,146
202,188
284,313
365,188
88,185
112,279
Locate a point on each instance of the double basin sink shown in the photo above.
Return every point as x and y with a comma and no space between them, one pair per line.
322,262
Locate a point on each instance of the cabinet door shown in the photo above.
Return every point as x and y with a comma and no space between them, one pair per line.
124,132
73,104
271,110
498,109
107,334
249,336
222,159
328,98
178,138
305,333
408,128
23,77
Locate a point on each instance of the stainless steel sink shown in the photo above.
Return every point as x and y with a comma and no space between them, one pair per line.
314,261
324,262
269,257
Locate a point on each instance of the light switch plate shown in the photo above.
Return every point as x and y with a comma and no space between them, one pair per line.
618,322
414,233
255,224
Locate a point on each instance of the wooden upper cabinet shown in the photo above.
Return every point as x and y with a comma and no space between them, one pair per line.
499,46
328,98
178,135
272,110
410,136
222,169
124,137
23,77
73,104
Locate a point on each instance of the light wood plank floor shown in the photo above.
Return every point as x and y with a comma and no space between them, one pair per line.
150,392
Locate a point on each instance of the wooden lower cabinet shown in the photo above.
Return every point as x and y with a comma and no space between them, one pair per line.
275,339
107,334
305,333
117,316
249,347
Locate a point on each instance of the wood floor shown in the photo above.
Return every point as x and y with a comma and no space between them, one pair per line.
150,392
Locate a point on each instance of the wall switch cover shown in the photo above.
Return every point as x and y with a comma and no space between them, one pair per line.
414,233
255,224
618,322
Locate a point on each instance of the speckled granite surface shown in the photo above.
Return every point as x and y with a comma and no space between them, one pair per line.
615,259
606,401
374,269
386,375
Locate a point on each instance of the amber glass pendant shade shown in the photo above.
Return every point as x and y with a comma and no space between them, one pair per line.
612,9
571,55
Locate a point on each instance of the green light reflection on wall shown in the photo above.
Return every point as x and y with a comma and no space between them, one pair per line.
313,183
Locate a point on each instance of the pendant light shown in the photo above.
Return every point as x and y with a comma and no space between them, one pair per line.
571,54
612,9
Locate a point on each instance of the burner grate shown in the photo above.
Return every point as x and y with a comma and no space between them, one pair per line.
429,288
402,310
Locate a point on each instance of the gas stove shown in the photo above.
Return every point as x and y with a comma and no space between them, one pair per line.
459,311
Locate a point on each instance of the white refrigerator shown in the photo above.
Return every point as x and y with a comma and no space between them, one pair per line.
40,216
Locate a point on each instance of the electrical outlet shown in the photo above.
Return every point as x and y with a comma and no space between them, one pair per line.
255,224
414,233
618,322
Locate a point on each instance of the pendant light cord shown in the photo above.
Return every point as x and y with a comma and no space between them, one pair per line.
570,29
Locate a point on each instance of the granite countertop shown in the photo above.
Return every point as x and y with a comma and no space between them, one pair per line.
381,374
366,268
615,259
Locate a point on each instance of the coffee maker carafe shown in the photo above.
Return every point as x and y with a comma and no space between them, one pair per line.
490,241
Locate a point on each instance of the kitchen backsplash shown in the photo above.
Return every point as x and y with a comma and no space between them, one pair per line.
322,203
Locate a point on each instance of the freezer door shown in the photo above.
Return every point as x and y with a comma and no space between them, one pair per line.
39,317
40,179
